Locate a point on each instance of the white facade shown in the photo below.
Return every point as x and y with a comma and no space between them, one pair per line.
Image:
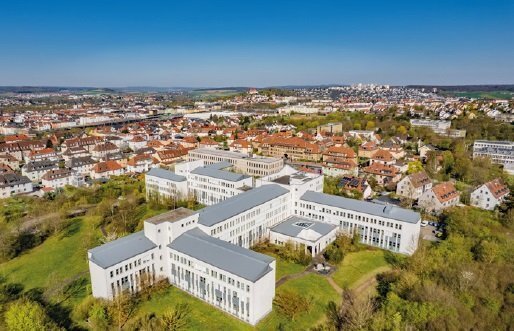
377,225
244,163
483,197
172,247
12,184
407,188
207,254
501,152
165,184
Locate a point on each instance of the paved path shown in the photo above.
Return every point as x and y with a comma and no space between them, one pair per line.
336,287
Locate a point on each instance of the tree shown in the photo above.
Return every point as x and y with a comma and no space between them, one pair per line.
23,315
291,304
176,319
401,130
414,166
352,314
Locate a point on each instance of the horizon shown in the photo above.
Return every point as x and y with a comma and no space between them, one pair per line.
212,45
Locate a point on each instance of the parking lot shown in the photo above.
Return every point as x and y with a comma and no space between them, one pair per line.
428,232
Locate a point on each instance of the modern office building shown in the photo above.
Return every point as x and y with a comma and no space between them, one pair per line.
500,152
244,163
207,253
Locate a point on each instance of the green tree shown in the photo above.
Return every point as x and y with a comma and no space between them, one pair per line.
177,318
414,166
23,315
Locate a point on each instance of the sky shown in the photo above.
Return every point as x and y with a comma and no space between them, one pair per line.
114,43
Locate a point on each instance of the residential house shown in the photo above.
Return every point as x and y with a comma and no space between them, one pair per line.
439,197
12,184
414,185
489,195
106,169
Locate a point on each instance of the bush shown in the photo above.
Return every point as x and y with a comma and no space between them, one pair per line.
291,304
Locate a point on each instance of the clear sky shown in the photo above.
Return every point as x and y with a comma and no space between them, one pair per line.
255,43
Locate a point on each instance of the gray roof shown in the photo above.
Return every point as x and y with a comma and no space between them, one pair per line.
235,155
121,249
171,216
215,172
234,259
237,204
165,174
392,212
289,227
9,179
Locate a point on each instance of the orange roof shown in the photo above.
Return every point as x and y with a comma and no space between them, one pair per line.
381,170
383,155
445,191
106,166
340,151
497,188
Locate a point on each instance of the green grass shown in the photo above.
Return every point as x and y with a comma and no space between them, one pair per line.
60,257
203,315
310,285
357,265
285,268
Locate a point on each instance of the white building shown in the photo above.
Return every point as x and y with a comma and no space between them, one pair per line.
236,280
244,163
439,127
81,165
58,178
211,185
388,227
245,218
439,197
206,253
36,169
12,184
165,184
489,195
414,185
500,152
314,236
295,181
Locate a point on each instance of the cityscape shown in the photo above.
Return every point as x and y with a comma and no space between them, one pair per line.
144,186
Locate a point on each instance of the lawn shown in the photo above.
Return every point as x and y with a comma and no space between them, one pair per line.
60,261
357,265
203,315
60,257
285,268
310,285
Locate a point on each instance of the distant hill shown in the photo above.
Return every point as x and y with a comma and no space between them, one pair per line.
52,89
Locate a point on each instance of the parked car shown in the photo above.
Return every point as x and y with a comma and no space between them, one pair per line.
424,223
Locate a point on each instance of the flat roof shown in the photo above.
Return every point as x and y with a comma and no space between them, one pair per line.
392,212
235,155
240,203
234,259
171,216
293,225
219,174
166,174
120,249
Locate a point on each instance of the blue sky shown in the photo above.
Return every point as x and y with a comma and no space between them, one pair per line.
255,43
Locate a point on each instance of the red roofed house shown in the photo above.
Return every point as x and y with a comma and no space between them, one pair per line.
106,169
384,174
439,197
489,195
